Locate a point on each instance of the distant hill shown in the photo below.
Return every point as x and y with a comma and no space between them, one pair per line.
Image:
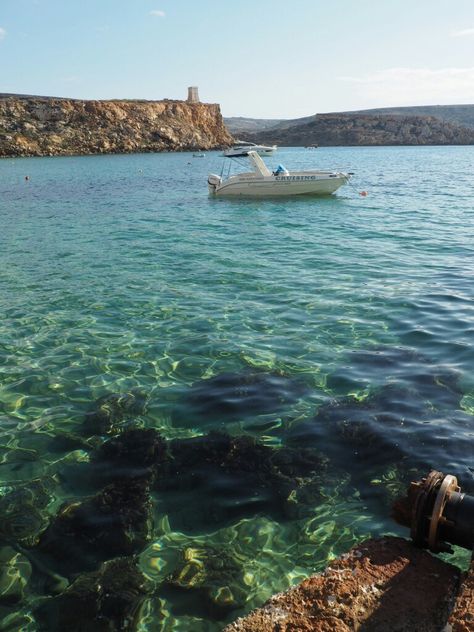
11,95
367,129
304,131
457,114
240,126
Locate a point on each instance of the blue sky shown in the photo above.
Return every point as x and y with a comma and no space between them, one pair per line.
258,58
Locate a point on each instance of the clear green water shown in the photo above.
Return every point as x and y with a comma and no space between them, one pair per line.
118,273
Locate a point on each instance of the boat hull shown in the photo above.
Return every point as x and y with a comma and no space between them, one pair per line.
281,186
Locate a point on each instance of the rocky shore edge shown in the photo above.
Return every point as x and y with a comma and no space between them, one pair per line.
382,584
46,126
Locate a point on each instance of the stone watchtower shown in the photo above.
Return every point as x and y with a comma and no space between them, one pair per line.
193,96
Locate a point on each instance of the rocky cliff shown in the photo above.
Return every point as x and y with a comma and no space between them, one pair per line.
362,129
43,126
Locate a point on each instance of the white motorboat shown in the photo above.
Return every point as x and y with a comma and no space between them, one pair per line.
261,182
242,148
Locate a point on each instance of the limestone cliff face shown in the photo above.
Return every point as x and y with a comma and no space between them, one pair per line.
362,129
35,126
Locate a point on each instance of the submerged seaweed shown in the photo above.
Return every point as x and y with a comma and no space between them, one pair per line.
228,478
23,511
111,411
236,396
375,433
137,452
116,521
106,600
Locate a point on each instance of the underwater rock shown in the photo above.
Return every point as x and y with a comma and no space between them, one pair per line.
110,412
417,382
227,478
367,439
116,521
388,437
133,453
15,571
391,390
356,424
380,585
68,442
23,511
235,396
367,426
103,601
213,575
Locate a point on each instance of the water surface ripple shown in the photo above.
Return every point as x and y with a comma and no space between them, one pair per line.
300,359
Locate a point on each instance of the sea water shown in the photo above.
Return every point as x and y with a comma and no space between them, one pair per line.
342,325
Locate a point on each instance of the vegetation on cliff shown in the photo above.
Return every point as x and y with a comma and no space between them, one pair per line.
42,126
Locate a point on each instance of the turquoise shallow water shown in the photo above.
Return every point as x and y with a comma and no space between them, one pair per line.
341,325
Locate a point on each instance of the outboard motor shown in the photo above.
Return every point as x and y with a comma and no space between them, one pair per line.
214,182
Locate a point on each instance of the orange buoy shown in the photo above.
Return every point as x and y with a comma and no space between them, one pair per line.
363,193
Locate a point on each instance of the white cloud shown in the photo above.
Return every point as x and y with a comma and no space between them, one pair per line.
158,13
414,86
2,33
462,33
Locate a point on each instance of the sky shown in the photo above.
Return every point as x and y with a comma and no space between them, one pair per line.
256,58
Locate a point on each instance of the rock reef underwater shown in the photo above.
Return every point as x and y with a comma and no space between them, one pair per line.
80,564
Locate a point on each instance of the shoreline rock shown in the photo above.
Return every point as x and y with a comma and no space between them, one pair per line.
43,126
384,585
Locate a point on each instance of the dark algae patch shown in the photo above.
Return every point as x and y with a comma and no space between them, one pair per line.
226,478
389,428
112,411
116,521
236,396
106,600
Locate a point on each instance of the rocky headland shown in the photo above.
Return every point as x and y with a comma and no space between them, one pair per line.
47,126
364,129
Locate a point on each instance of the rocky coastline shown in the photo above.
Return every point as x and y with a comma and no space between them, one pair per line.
45,126
363,129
